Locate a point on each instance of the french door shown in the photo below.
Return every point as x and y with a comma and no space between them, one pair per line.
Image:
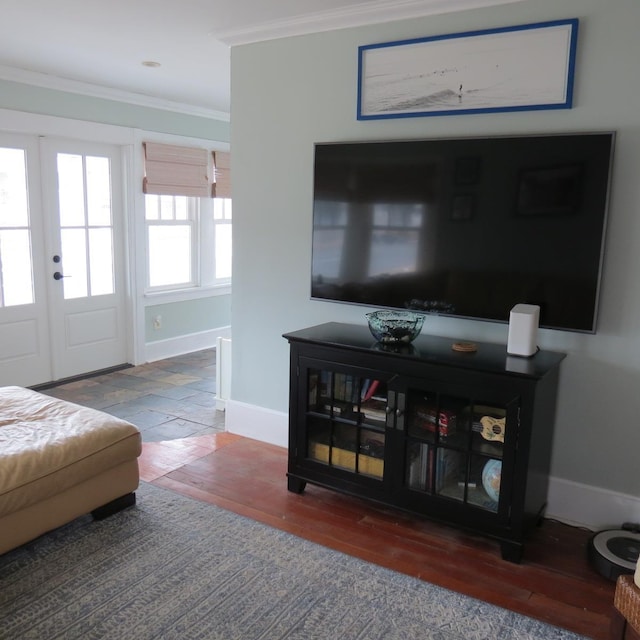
24,333
72,257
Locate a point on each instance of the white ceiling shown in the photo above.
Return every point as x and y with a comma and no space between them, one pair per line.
97,47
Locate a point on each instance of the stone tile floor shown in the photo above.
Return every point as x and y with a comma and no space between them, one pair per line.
167,400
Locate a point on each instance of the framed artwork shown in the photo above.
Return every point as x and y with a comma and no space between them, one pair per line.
517,68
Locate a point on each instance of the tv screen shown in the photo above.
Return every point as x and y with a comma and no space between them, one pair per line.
465,227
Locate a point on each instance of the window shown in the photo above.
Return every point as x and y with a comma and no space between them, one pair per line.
171,227
188,242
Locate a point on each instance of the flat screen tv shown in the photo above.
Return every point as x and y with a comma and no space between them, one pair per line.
464,227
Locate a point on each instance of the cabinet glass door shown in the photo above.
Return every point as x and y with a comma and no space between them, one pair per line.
346,420
455,447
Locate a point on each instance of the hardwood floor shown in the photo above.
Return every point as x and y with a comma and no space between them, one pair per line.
554,583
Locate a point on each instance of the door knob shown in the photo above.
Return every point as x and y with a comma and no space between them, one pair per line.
58,276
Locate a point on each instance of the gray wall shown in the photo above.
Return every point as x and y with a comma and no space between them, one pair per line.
24,97
289,93
188,317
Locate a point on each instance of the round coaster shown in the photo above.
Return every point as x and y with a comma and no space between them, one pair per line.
466,347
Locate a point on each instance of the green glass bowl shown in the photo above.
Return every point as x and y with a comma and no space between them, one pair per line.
393,327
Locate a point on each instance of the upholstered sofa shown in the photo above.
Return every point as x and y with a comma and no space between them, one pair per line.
59,461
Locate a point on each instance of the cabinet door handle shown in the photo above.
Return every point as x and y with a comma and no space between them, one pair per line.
399,413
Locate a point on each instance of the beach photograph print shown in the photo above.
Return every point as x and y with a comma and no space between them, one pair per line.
508,69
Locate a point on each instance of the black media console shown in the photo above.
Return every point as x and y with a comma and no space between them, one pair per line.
460,437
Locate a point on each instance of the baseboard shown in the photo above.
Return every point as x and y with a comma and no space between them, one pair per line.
161,349
258,423
570,502
591,507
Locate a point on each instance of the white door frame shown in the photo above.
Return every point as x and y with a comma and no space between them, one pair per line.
88,333
30,127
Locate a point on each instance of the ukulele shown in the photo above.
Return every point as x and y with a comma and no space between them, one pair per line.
492,428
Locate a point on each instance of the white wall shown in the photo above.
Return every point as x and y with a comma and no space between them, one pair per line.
289,93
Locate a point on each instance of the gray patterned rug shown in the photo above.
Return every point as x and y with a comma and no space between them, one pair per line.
175,568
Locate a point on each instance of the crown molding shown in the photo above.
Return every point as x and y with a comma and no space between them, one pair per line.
365,13
57,83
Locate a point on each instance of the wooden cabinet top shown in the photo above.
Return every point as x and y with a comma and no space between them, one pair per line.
489,357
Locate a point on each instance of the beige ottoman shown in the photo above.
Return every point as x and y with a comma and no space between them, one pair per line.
58,461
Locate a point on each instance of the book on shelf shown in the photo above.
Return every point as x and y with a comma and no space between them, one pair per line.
447,467
420,468
375,410
369,389
426,417
313,388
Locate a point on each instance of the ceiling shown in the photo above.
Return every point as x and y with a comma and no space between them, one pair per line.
99,48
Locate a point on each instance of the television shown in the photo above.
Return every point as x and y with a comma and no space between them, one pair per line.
464,227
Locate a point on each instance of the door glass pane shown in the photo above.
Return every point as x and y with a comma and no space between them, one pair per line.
16,276
343,447
16,271
71,190
489,427
101,261
84,185
485,478
450,469
371,453
432,416
419,466
13,188
74,250
319,439
98,191
174,241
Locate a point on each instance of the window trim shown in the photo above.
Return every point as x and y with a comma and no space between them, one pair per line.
182,295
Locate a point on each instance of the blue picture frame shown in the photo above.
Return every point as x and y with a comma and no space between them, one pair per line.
522,68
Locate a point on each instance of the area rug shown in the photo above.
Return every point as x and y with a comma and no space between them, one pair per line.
176,568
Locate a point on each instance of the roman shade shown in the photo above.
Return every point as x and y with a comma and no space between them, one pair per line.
221,187
176,171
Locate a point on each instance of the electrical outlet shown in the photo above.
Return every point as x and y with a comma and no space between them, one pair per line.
157,322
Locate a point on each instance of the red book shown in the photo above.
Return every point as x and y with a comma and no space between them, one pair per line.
371,390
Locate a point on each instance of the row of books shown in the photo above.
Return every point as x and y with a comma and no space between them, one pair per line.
348,396
343,387
431,469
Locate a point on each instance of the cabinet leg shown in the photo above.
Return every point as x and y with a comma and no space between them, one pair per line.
512,551
295,485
